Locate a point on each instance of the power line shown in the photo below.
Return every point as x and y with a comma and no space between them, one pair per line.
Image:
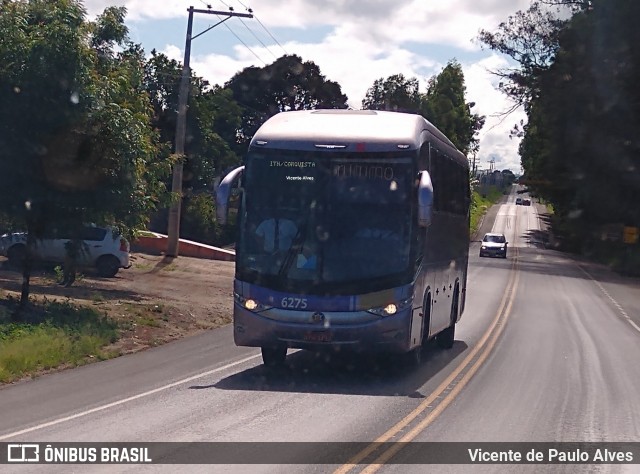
262,25
245,44
238,37
256,37
269,33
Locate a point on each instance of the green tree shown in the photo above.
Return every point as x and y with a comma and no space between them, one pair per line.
76,144
212,120
211,145
444,105
395,93
579,147
531,39
286,84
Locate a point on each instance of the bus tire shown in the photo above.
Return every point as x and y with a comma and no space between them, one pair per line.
413,358
446,338
274,356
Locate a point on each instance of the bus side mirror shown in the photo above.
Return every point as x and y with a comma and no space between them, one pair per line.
425,199
223,194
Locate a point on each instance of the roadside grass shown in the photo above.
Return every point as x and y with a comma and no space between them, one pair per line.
480,204
130,315
52,334
143,266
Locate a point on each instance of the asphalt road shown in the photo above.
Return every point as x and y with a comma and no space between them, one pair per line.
547,350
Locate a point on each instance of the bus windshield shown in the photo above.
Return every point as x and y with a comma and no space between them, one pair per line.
326,223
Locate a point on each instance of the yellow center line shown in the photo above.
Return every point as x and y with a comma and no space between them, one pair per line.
420,427
507,301
505,306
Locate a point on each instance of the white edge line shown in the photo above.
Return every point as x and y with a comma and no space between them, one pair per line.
615,303
125,400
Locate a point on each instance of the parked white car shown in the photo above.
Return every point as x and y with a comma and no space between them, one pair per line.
103,248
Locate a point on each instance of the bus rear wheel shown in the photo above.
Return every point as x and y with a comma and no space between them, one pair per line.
446,338
274,356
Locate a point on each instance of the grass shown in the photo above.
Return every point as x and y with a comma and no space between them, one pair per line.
143,266
97,297
150,322
53,334
480,204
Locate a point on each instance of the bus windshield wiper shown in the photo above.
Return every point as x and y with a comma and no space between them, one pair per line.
295,249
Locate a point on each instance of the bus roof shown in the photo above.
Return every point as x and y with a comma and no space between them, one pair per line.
351,130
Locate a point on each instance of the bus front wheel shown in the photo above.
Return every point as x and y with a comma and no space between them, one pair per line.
274,356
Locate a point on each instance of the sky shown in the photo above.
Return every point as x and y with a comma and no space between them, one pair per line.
354,42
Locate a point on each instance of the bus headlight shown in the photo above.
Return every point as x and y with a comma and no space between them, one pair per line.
250,303
391,308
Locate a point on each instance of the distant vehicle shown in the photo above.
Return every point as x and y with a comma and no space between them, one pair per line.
103,248
360,272
518,201
526,202
494,245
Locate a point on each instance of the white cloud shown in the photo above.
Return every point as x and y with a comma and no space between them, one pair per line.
494,137
366,40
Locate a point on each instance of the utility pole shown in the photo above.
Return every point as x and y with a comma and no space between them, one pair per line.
173,231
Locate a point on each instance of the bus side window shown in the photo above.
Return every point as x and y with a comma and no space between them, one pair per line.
436,171
424,162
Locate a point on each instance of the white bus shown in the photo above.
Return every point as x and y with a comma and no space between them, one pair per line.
353,234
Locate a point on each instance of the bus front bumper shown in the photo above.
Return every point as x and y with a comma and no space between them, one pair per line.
383,334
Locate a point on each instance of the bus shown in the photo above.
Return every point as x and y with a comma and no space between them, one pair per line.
353,234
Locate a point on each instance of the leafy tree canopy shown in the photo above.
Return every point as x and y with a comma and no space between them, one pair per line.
443,104
75,140
395,93
580,147
287,84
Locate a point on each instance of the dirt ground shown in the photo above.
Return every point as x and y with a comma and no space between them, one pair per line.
155,301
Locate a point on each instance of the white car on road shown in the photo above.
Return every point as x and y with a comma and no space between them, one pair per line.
494,245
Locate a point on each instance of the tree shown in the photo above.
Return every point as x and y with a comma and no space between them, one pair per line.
531,40
579,147
444,105
76,144
212,121
394,93
286,84
211,144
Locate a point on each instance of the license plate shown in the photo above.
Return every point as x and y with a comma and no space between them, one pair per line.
317,336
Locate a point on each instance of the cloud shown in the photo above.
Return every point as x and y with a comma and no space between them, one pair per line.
141,9
398,21
365,40
482,89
